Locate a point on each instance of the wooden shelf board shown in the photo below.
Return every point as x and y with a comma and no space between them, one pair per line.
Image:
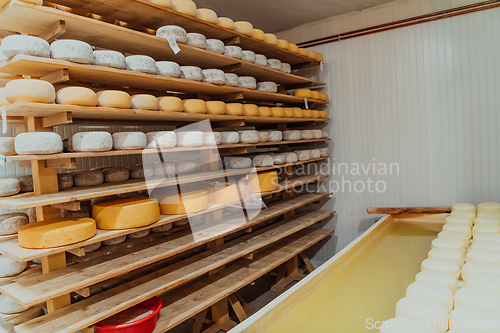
103,305
7,237
85,112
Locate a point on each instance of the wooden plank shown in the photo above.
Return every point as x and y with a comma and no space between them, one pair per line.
56,30
408,210
31,291
59,76
65,163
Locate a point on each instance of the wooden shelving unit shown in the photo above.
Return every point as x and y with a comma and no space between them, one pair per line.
222,251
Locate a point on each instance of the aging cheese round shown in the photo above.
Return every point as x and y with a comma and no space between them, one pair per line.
264,181
449,254
444,278
488,206
171,104
250,110
212,138
111,59
215,76
487,220
274,64
450,243
223,195
26,183
286,67
442,265
216,107
115,241
129,140
323,152
11,222
190,139
302,51
455,234
250,136
168,68
88,178
317,134
489,214
323,97
307,113
191,73
293,135
72,50
197,40
172,31
275,136
281,43
315,94
243,27
140,63
92,247
230,137
29,90
315,153
7,146
424,309
311,54
298,113
184,203
185,6
279,159
10,267
231,79
49,234
162,228
261,60
195,106
293,48
314,113
258,34
141,172
304,93
76,96
240,163
139,234
489,245
271,39
28,45
9,306
458,227
248,56
484,227
459,219
216,45
289,113
114,99
277,112
265,111
144,102
477,296
186,167
319,56
483,255
303,155
431,290
64,181
234,51
116,175
225,22
92,141
483,280
206,15
263,160
464,206
248,82
486,236
125,213
267,86
41,143
235,109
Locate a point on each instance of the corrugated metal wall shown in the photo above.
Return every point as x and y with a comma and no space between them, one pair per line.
425,97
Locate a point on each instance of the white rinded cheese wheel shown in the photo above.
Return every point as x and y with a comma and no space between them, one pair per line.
235,109
116,175
216,107
464,206
263,160
92,141
449,254
243,27
455,234
442,265
487,220
10,267
190,139
474,267
323,152
275,136
72,50
11,222
424,309
488,206
7,146
451,243
267,86
191,73
317,134
166,169
215,76
225,22
474,316
477,296
114,241
271,39
162,140
482,244
140,63
325,135
114,99
144,102
488,228
185,6
433,291
279,159
263,136
260,59
487,236
240,163
307,135
88,178
315,153
231,79
466,213
248,56
483,255
29,90
171,104
249,136
111,59
458,227
274,64
139,234
248,82
173,31
186,167
293,135
168,68
162,228
26,183
76,96
197,40
129,140
141,172
216,45
230,137
64,181
446,279
195,106
9,306
28,45
206,15
303,155
291,157
285,67
163,3
402,325
38,143
92,247
211,138
459,219
483,280
233,51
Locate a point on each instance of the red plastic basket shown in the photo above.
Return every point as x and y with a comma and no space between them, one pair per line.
144,325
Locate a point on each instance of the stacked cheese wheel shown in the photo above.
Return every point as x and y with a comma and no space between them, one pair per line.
310,94
459,285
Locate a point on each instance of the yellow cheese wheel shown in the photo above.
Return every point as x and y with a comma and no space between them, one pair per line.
281,43
195,106
277,112
244,27
264,181
171,104
298,113
48,234
184,6
225,22
319,56
223,195
190,202
145,102
307,113
76,96
311,54
3,101
114,99
29,90
126,213
323,97
207,15
323,114
216,107
314,113
258,34
163,3
302,51
315,94
289,112
235,109
293,48
304,93
265,111
250,110
271,39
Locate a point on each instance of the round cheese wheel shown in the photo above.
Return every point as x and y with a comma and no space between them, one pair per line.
483,280
164,170
139,234
291,157
325,135
446,279
65,181
129,140
314,113
248,56
187,202
458,227
449,254
265,111
115,241
216,107
185,6
235,109
191,73
172,31
116,175
162,3
225,22
311,54
402,325
168,68
197,40
431,290
279,159
243,27
488,206
249,136
91,141
107,58
206,15
11,222
315,94
190,139
293,135
140,63
186,167
145,102
163,139
72,50
442,265
317,134
302,51
474,317
455,234
29,90
489,245
240,163
323,97
488,214
248,82
464,206
231,79
10,267
274,64
307,113
212,138
487,220
319,56
260,59
38,143
286,67
224,194
263,160
271,39
114,99
281,43
483,255
424,309
22,44
267,86
460,219
477,296
324,152
195,106
298,113
315,153
306,135
76,96
293,48
9,306
486,236
450,243
303,155
7,146
250,110
480,228
304,93
230,137
26,183
275,136
475,267
88,178
258,34
215,76
288,112
216,45
141,172
277,112
171,104
234,51
263,136
92,247
162,228
263,182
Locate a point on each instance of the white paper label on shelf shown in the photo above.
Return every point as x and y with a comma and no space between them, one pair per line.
321,65
173,44
2,160
4,120
305,103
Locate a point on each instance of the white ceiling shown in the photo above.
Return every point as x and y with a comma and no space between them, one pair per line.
280,15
